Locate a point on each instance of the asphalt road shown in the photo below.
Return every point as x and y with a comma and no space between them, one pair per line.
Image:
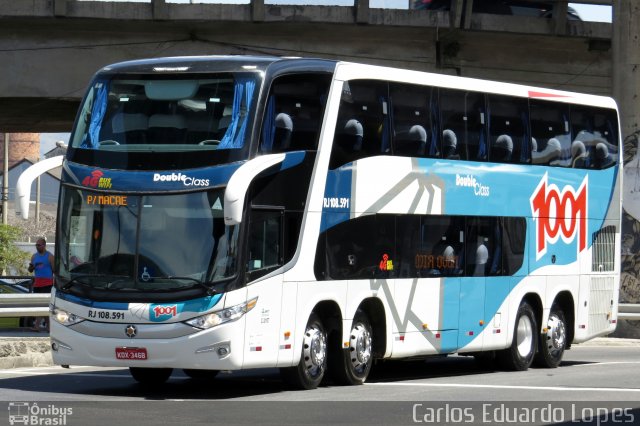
595,383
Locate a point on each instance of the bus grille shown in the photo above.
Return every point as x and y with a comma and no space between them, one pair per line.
604,254
601,295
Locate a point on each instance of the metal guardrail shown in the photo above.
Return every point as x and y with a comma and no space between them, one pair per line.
629,311
24,305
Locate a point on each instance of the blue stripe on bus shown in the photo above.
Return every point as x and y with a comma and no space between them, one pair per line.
201,304
116,306
339,183
116,180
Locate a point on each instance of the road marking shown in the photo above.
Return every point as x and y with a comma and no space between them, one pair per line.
544,388
602,363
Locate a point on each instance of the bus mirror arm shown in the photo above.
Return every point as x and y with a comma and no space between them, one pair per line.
239,183
23,186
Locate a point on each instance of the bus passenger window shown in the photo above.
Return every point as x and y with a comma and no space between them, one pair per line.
294,111
463,114
509,129
364,102
551,138
595,137
415,124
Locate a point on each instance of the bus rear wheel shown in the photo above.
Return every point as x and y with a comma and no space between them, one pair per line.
150,376
353,364
553,342
313,361
519,355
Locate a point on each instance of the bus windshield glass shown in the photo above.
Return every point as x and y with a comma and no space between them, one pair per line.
140,113
145,242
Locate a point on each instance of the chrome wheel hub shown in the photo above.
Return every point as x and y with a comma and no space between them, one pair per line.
556,334
360,347
524,336
314,352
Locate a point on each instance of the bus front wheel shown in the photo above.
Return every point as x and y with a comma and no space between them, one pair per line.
150,376
313,361
553,341
519,355
353,364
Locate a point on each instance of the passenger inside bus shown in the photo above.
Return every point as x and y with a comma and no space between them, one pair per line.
282,136
502,149
412,143
579,156
549,154
449,145
602,159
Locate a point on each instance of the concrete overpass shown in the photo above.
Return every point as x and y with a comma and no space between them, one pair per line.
50,48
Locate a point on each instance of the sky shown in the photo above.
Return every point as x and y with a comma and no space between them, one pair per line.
587,13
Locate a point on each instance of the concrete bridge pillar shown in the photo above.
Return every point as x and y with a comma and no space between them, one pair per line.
626,91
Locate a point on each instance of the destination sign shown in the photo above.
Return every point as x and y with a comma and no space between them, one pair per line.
107,200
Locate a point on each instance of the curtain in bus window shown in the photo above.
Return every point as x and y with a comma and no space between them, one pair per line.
243,93
386,132
97,115
463,125
269,126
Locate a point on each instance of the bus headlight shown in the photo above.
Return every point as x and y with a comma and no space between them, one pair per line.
65,318
220,317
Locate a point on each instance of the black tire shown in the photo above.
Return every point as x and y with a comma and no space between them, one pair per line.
554,341
150,376
351,366
313,361
519,356
201,374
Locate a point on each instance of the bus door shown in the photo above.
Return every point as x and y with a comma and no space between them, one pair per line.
264,256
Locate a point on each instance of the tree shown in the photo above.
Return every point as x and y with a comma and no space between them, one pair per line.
12,259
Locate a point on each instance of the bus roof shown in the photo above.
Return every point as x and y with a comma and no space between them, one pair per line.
214,63
347,71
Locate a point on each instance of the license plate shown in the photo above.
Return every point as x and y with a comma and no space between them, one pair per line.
131,353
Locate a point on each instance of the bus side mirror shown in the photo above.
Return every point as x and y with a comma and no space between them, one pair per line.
23,186
239,183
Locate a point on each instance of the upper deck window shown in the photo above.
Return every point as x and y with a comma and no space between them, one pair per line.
146,113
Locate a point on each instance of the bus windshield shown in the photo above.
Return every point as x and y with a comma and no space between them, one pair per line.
150,113
144,242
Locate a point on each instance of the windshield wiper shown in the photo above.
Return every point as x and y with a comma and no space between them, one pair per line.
75,280
208,286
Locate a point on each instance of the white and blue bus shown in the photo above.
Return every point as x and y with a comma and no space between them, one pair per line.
226,213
